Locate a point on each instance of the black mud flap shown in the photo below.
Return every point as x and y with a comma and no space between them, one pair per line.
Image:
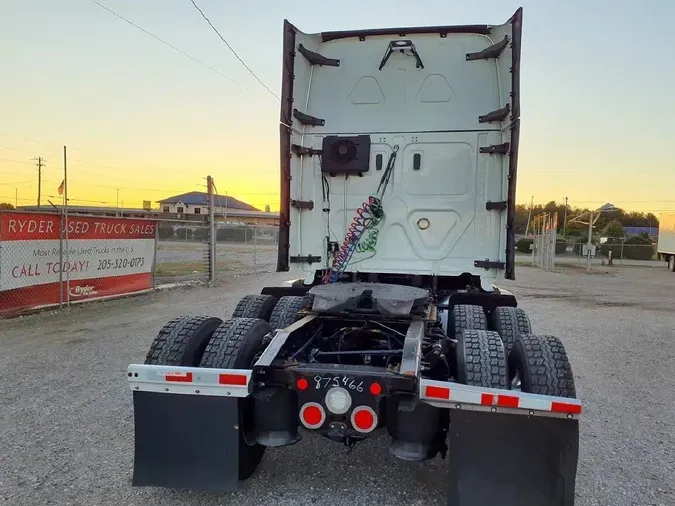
186,441
512,460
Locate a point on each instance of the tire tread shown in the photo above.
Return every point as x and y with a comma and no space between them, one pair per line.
484,359
172,341
548,365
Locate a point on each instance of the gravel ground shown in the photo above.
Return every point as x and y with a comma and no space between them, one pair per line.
66,419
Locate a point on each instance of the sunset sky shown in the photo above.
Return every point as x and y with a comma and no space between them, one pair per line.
598,103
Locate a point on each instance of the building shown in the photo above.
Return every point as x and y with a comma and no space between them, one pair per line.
198,203
195,204
188,206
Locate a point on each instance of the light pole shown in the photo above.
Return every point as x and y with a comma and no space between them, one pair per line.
593,217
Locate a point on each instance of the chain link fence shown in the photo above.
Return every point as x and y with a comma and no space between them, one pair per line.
611,251
183,250
242,248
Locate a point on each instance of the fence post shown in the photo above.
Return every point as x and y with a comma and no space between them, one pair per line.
623,240
61,259
212,231
154,256
255,248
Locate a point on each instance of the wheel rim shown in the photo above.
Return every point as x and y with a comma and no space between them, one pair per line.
516,383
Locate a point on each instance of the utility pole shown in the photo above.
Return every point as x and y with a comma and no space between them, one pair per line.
65,215
565,221
212,230
16,198
40,164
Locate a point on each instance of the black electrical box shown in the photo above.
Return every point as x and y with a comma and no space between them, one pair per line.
345,155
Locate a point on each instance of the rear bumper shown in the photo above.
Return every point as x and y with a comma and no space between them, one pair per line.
234,383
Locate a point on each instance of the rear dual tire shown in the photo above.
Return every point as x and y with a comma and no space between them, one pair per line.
235,344
536,364
200,341
255,306
539,365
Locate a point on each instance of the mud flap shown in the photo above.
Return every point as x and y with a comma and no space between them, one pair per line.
186,441
512,460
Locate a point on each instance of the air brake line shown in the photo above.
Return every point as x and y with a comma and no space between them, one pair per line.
367,218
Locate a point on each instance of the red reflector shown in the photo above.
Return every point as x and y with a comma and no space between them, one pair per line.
375,389
363,419
487,399
437,392
179,377
508,401
302,384
312,415
232,379
563,407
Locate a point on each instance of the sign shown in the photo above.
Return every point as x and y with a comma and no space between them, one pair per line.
101,257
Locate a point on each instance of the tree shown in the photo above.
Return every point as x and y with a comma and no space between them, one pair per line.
613,229
5,206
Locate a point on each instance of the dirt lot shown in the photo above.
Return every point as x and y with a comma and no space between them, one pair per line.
184,261
66,419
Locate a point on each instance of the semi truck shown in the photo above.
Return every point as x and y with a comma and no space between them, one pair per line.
398,166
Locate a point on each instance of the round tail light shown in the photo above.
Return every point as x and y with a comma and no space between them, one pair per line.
312,415
364,419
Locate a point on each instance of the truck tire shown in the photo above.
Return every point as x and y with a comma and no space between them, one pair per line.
286,311
539,365
509,322
255,306
236,344
671,263
466,317
481,360
182,341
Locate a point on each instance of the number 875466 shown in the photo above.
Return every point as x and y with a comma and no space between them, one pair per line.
338,381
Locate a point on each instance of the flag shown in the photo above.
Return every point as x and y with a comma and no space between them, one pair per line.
61,187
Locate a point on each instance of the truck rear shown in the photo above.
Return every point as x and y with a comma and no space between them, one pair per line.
666,243
399,152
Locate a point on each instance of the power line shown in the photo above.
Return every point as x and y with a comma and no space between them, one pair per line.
233,51
168,44
22,150
15,161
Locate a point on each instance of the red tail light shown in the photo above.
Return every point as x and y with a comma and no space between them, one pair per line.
312,415
364,419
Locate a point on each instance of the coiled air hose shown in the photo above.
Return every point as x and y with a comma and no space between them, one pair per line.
367,218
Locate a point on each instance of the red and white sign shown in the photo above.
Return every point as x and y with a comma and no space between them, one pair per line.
102,257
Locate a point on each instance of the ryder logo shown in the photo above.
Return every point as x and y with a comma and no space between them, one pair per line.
82,291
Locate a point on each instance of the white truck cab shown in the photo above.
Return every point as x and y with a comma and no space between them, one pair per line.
424,120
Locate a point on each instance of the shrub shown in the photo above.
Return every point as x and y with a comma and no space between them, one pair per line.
613,229
634,248
523,245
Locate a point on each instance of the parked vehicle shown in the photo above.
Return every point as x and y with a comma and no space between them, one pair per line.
399,152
